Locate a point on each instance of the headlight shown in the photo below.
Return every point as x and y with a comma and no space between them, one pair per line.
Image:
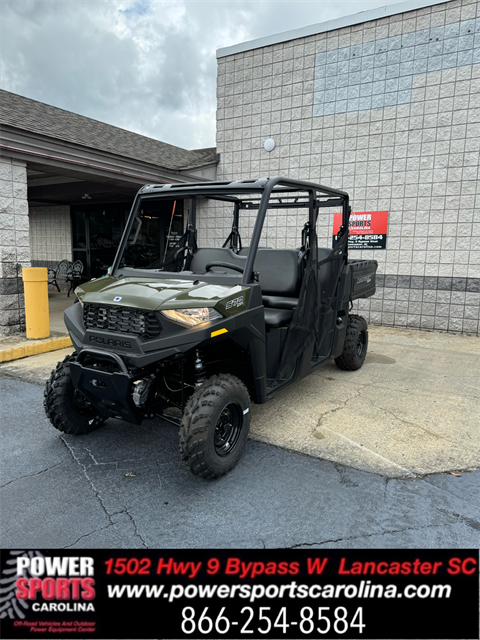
192,317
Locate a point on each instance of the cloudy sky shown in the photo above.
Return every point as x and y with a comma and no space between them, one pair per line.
145,65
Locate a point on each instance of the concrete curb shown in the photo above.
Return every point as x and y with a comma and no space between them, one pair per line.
34,349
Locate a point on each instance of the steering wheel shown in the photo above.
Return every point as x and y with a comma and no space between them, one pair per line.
223,264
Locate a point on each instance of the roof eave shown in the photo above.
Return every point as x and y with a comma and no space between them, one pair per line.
329,25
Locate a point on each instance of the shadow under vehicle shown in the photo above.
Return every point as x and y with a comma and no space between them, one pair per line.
194,336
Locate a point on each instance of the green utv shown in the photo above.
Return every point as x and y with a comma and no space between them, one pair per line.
194,335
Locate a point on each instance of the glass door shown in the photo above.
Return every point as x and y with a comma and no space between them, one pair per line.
97,230
106,226
96,233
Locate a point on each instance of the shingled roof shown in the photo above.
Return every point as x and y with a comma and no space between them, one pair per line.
38,117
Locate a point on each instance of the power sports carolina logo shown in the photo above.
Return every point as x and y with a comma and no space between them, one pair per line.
46,584
11,606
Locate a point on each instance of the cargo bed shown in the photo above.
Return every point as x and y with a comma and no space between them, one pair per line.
361,278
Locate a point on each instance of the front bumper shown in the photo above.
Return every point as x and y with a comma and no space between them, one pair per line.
110,393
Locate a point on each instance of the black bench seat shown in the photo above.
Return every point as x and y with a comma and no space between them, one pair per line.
280,276
275,318
280,302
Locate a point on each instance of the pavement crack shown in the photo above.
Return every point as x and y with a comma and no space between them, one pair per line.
387,480
344,478
135,527
109,515
412,424
365,535
470,522
95,462
17,376
441,473
84,468
115,463
85,535
340,407
31,475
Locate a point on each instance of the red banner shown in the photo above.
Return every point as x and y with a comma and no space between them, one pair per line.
367,229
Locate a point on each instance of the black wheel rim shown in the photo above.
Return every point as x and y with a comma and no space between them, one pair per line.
361,343
82,405
227,429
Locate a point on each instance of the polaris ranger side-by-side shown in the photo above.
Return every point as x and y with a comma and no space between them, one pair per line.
193,335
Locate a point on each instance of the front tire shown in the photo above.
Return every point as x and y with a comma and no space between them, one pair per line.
215,426
355,346
66,408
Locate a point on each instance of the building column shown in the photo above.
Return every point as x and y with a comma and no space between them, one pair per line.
14,244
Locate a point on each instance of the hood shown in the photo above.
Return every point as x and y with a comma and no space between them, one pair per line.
153,294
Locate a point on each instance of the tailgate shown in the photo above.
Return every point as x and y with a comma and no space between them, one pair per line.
363,276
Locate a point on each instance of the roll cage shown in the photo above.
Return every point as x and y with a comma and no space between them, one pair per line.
255,194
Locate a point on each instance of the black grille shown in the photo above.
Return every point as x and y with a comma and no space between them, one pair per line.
122,320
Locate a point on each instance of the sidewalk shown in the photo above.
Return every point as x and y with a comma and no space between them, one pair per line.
19,346
411,410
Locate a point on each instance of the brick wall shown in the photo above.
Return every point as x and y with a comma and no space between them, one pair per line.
14,244
388,110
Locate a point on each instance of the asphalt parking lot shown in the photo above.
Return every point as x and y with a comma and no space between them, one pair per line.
124,487
411,410
340,460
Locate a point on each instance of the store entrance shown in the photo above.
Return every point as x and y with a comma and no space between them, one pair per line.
97,230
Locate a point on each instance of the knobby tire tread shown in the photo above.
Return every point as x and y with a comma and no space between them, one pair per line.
196,423
348,360
55,402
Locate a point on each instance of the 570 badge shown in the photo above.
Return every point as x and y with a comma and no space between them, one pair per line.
236,302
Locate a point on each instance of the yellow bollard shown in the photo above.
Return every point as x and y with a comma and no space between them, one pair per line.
35,284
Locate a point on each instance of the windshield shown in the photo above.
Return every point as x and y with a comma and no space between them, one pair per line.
157,227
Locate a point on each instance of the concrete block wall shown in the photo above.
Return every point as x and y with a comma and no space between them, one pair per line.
388,110
14,244
50,238
50,235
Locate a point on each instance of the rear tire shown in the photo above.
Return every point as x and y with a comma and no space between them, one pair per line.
215,426
67,409
355,346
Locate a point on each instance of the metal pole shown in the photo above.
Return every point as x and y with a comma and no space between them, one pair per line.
169,230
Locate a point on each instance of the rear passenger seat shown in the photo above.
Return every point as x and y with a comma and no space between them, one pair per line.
281,272
280,276
202,257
